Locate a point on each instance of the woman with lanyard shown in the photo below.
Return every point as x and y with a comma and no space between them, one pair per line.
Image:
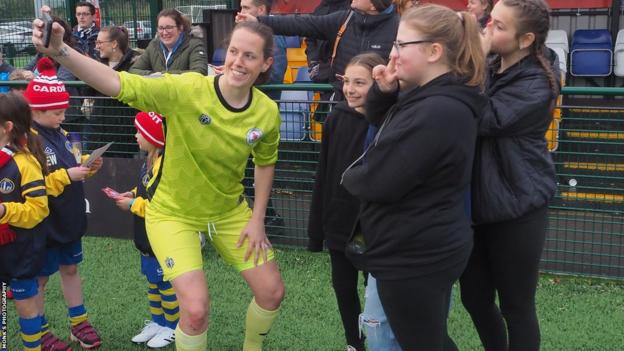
174,50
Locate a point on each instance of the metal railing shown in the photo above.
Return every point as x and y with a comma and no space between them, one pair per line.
586,232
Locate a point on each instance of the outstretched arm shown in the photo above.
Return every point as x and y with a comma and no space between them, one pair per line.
97,75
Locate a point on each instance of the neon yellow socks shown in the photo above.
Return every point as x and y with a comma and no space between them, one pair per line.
257,325
184,342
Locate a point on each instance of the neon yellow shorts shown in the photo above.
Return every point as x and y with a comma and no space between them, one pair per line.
177,245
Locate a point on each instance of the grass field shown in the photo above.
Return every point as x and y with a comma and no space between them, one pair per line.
575,314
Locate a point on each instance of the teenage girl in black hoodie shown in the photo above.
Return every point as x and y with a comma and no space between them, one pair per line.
416,235
513,179
333,211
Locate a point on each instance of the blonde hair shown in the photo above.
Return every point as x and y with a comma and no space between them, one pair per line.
458,32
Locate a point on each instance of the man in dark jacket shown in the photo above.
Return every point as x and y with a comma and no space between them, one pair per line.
86,31
372,28
319,52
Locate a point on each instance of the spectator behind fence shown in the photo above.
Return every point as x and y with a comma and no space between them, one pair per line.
73,115
413,234
86,31
481,9
174,50
318,52
20,74
404,5
513,178
367,26
113,120
263,8
5,71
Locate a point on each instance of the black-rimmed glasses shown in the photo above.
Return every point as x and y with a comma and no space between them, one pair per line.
400,44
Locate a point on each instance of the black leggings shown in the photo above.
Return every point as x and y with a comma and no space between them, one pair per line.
344,281
505,260
417,309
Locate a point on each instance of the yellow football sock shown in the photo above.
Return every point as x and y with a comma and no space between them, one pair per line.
184,342
257,325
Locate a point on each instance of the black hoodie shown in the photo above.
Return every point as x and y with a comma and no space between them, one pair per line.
333,210
413,180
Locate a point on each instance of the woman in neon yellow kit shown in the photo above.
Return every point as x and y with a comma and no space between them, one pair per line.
212,126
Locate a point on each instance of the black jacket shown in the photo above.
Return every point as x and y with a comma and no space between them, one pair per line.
413,180
333,210
364,33
513,171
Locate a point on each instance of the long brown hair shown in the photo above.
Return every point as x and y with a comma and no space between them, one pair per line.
532,17
367,60
458,32
118,34
14,108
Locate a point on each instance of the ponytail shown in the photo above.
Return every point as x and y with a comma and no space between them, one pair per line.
35,147
470,60
458,32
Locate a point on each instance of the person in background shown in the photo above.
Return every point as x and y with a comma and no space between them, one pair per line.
173,50
110,119
370,25
86,31
481,10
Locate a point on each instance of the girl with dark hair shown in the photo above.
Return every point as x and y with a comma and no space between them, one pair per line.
412,234
513,179
212,126
333,210
174,50
23,210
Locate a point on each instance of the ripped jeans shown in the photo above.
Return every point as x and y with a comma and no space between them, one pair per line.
374,323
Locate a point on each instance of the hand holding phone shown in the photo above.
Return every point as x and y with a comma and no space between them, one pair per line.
47,28
111,193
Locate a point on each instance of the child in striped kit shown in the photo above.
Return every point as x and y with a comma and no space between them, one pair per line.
159,331
23,213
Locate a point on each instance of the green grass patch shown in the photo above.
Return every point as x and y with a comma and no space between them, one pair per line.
575,314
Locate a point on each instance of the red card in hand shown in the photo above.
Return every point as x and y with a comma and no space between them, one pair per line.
111,193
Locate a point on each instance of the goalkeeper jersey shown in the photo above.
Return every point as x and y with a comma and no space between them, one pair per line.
207,142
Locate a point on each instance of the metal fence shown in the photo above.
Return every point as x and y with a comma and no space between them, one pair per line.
586,232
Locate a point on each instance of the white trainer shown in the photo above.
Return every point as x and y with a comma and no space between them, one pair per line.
149,330
164,337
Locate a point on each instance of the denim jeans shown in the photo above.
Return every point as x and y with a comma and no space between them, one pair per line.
374,323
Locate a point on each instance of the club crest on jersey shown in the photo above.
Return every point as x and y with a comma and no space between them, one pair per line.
205,119
68,146
169,262
50,156
146,178
6,186
253,135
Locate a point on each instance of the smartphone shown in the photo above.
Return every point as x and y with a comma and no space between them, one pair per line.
47,29
111,193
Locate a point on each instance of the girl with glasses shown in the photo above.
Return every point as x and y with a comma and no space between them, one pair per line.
413,235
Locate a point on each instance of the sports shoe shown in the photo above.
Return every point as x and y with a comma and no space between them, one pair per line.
164,337
49,342
86,335
149,330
